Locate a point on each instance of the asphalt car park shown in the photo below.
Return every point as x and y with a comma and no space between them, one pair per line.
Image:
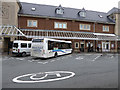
86,70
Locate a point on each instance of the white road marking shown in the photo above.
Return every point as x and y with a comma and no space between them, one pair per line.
20,58
79,58
40,62
96,58
58,59
34,60
58,75
111,56
52,60
88,54
45,63
30,60
44,79
12,58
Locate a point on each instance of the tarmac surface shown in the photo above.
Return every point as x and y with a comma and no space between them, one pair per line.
88,70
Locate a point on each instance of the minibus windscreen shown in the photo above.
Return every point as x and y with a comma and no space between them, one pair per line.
15,45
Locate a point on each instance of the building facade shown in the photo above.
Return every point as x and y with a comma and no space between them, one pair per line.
88,30
9,17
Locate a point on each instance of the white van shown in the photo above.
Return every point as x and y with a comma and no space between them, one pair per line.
22,48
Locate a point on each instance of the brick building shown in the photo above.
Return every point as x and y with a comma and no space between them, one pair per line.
88,30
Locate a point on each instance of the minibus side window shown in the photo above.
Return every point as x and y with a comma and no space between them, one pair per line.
23,45
29,45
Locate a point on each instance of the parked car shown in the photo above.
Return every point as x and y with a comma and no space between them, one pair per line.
21,48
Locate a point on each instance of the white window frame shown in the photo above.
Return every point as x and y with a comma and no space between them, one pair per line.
105,28
84,26
82,14
58,25
60,11
76,43
32,21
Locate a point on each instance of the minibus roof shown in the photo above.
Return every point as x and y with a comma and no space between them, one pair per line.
21,41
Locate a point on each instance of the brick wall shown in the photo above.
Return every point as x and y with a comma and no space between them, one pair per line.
48,24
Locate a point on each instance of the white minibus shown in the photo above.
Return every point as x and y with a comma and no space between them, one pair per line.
21,48
45,47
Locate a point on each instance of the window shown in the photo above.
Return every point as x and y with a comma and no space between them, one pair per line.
29,45
84,27
60,25
106,28
63,45
23,45
50,45
83,14
76,44
58,45
60,11
32,23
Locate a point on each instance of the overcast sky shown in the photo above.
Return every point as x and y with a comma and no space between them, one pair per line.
96,5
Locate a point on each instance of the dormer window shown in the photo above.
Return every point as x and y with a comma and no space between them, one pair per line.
59,10
82,13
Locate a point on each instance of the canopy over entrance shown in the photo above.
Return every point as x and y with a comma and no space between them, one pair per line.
33,33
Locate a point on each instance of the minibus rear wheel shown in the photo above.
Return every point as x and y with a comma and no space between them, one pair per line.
24,54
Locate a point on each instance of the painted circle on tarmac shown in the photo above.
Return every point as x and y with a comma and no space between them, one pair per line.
33,78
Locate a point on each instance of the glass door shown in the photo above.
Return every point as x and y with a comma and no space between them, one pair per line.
105,46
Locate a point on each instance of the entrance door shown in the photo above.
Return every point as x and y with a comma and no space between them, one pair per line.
6,44
82,48
105,46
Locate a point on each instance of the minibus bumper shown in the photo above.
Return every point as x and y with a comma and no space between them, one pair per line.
15,53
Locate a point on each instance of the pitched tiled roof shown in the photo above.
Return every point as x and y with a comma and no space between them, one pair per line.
114,10
69,13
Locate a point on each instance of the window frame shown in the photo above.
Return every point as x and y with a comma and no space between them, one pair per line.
59,11
32,21
85,27
105,28
83,14
58,25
